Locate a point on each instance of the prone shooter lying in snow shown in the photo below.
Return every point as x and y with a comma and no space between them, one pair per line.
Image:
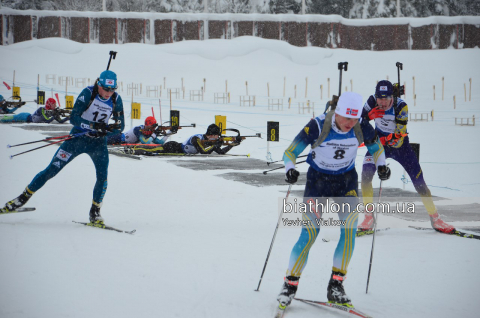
211,141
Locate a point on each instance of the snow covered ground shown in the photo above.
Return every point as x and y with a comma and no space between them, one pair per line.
202,240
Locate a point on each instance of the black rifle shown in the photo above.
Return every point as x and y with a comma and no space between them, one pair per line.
161,130
333,103
229,140
63,112
112,54
398,90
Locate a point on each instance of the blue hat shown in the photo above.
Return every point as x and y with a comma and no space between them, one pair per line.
1,98
108,79
384,89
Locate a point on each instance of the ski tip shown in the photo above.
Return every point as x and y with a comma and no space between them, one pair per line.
248,155
8,146
264,172
11,157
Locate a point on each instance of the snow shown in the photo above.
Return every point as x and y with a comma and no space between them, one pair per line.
301,18
201,240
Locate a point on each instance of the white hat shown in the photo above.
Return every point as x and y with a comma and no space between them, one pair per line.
349,105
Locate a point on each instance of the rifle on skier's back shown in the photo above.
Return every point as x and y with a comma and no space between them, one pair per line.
332,104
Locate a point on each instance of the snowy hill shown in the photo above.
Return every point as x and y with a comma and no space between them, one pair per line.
201,237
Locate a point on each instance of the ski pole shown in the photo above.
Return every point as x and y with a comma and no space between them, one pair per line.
273,240
270,162
32,142
266,171
373,240
53,143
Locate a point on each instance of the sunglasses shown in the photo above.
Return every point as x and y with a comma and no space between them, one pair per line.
108,89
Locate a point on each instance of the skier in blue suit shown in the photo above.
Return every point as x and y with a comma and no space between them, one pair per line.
92,110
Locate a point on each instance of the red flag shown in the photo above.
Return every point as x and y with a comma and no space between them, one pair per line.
58,100
8,87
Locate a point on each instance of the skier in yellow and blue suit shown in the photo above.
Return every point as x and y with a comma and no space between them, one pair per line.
92,110
334,139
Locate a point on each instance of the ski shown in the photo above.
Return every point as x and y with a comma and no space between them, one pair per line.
350,310
105,227
369,232
457,232
17,210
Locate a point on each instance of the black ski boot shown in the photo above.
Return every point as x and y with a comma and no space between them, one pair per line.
335,291
95,217
18,201
288,291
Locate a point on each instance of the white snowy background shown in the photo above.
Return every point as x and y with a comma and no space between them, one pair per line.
201,240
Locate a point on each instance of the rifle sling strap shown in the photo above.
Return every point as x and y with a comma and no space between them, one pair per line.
327,126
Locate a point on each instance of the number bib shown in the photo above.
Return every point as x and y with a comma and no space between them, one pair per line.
335,154
99,111
386,124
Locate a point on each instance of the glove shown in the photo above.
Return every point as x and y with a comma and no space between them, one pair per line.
376,113
238,140
174,129
101,129
393,140
292,176
384,173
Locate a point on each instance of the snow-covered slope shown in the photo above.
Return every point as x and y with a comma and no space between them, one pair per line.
201,239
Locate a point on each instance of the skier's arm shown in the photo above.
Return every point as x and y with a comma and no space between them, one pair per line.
118,116
305,137
222,151
57,116
62,120
197,143
46,119
373,144
78,108
401,119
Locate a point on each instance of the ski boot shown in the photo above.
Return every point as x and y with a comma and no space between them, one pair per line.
367,224
288,291
18,201
439,225
335,291
95,217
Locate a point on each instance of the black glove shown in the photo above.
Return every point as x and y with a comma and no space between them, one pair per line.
238,139
384,173
101,129
219,143
174,129
292,176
